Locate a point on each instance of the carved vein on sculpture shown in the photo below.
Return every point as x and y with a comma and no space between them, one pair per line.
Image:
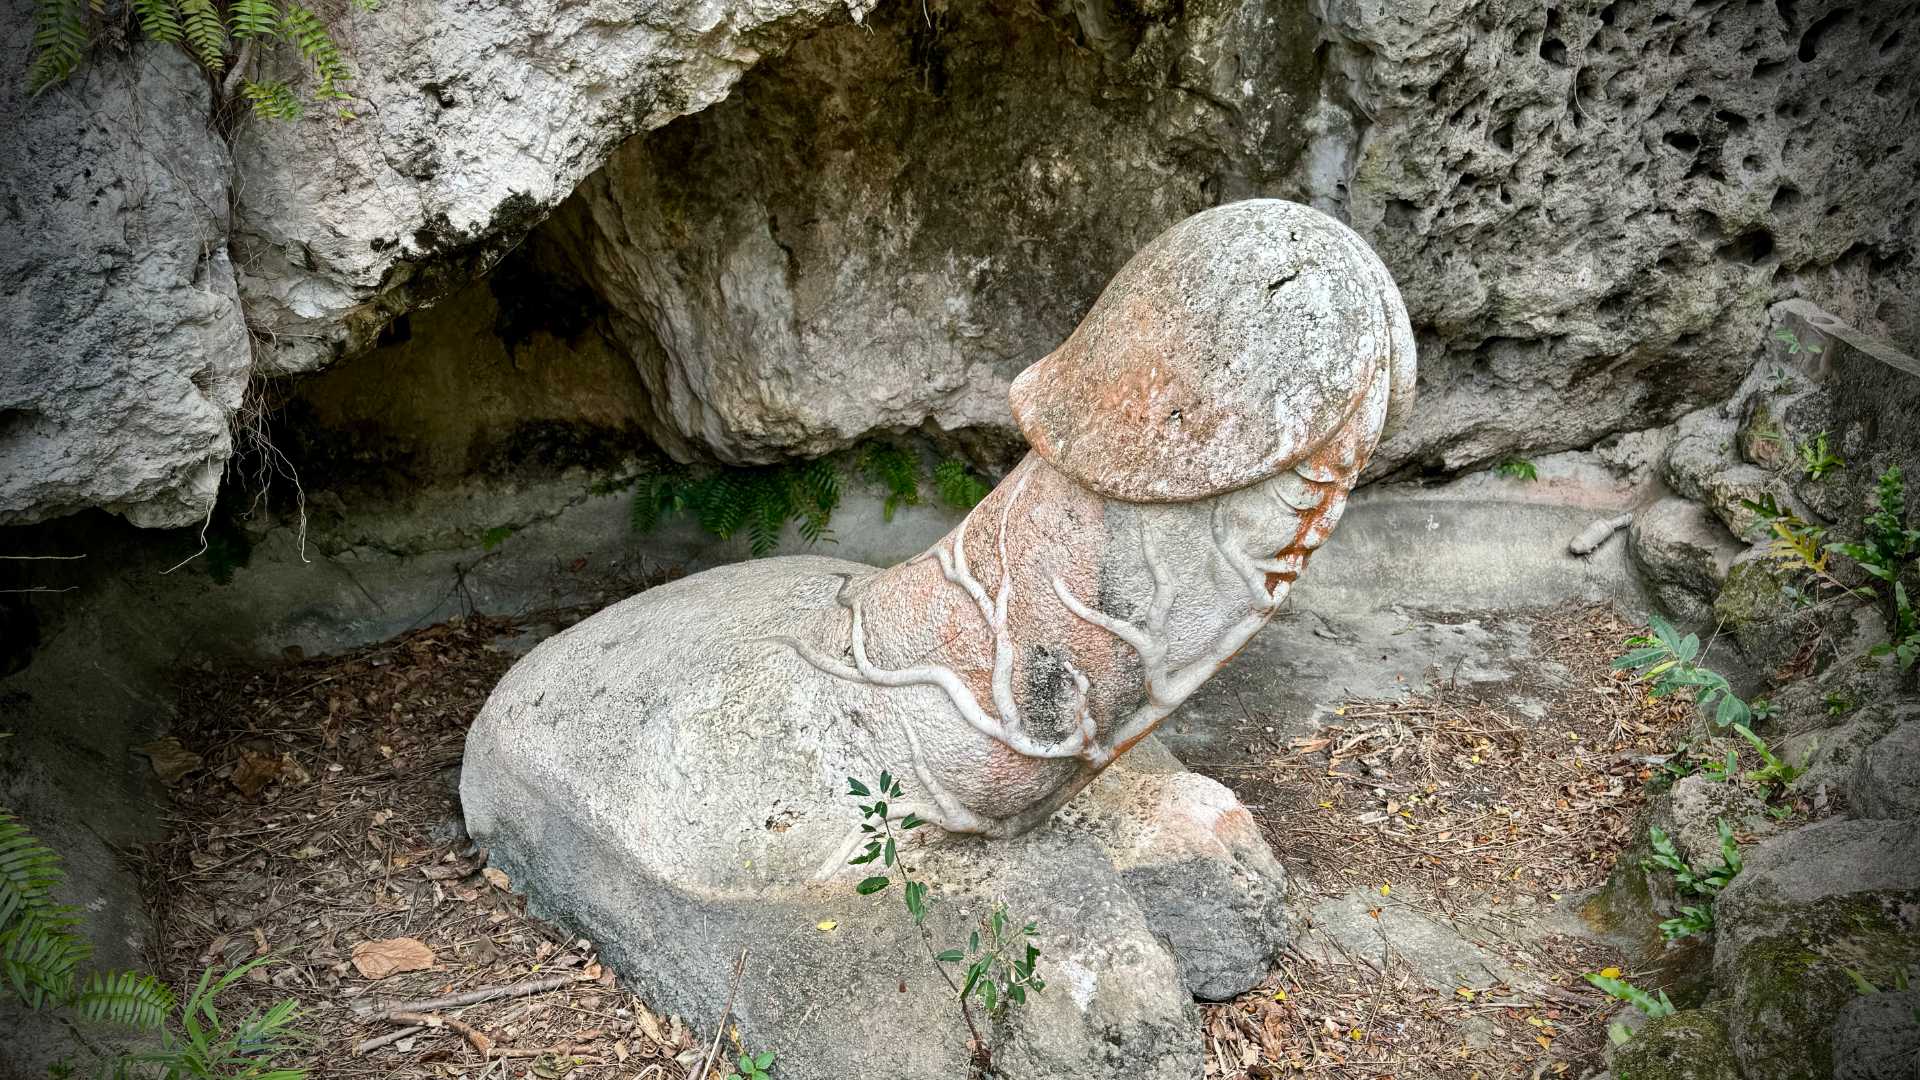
1165,689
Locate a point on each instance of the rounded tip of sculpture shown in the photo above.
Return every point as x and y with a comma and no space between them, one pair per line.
1231,347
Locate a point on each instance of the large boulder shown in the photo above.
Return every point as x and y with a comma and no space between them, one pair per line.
472,123
1687,1045
126,354
1684,554
1813,909
671,781
1886,775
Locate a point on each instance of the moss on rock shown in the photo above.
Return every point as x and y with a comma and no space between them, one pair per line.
1785,988
1689,1045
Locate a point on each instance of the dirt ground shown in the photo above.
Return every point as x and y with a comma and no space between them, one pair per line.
315,823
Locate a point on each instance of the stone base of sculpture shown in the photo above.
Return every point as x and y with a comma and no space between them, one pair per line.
668,778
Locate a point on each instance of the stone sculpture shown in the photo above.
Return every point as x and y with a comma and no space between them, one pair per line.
669,773
1194,441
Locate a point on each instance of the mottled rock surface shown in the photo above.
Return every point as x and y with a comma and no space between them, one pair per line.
125,352
1877,1037
472,123
1589,208
1684,553
1886,775
1810,904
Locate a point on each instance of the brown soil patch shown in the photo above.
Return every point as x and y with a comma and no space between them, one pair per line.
321,828
1449,801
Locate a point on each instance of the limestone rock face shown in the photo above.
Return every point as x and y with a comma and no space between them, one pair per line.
1587,207
883,226
472,123
1589,210
665,777
1844,892
126,352
1877,1037
1886,782
1685,554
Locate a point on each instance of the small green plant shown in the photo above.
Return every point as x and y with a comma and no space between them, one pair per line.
1000,965
1817,458
222,36
1794,346
958,485
1905,643
1862,985
896,470
755,501
1840,703
1782,380
1619,989
1722,769
1668,663
207,1046
1688,878
1517,468
1889,545
1693,919
755,1066
1705,883
41,953
495,536
1774,774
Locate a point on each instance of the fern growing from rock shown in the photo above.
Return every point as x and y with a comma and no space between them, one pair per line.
40,958
223,38
41,953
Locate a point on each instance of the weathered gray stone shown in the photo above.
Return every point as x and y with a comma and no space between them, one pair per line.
1886,775
1769,622
1877,1037
1705,153
472,123
126,354
1684,554
886,224
1810,904
1687,1045
1359,926
1702,463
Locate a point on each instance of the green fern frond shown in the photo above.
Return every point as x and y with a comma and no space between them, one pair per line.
39,954
771,505
957,484
305,32
59,40
29,870
657,494
158,20
719,503
128,998
896,470
252,18
272,100
816,486
206,34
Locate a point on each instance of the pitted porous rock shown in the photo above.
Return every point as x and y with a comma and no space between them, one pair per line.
1226,351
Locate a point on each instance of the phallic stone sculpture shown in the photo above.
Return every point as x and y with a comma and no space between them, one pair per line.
1193,442
668,773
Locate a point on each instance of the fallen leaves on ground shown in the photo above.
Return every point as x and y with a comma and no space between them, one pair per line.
1452,801
388,956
